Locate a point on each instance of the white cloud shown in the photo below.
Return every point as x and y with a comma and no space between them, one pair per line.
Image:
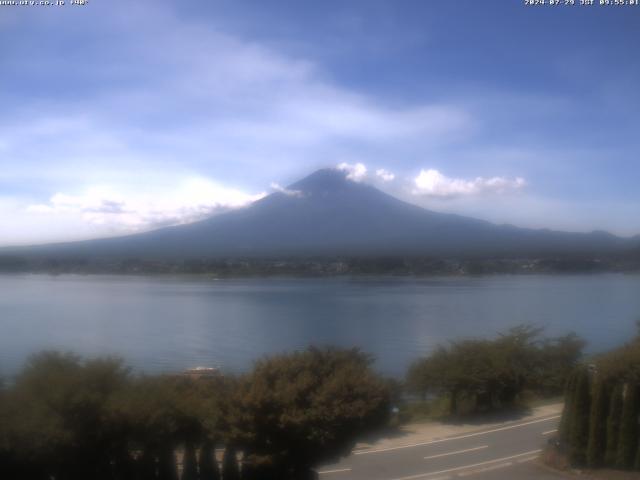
181,97
385,175
124,212
433,183
356,171
193,94
291,193
186,97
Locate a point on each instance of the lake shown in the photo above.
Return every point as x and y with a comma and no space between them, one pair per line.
172,323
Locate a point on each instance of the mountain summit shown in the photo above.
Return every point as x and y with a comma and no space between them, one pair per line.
325,181
327,214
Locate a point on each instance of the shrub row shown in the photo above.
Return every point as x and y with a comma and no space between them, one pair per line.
65,418
599,426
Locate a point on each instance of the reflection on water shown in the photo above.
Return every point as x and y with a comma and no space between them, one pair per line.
160,323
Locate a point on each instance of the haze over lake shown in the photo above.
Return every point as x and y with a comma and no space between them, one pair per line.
170,323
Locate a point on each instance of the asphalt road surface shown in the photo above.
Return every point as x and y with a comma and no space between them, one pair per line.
501,453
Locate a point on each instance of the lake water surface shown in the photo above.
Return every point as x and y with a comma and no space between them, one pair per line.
170,323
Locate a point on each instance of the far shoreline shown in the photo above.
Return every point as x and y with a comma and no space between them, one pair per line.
324,267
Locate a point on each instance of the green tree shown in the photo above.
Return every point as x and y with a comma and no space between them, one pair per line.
230,470
627,443
636,463
566,421
579,434
166,412
167,468
495,373
598,425
613,425
295,411
436,374
558,359
207,461
189,463
62,421
145,466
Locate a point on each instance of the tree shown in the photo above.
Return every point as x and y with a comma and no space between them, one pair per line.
62,419
8,466
230,470
145,466
167,468
566,421
495,373
627,443
558,359
168,411
207,461
613,425
579,433
295,411
189,463
436,374
636,463
598,425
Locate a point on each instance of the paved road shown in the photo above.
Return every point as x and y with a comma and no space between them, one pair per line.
504,452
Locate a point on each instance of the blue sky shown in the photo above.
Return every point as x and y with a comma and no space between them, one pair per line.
123,116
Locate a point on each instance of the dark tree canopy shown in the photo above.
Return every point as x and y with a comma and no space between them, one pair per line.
60,416
598,425
65,418
579,427
493,373
611,386
307,407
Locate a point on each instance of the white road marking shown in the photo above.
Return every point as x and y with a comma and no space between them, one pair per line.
338,470
467,467
549,432
455,453
460,437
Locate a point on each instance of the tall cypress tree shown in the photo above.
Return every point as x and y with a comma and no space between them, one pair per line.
628,440
567,412
598,426
579,433
167,469
189,463
208,464
230,470
145,465
636,464
613,426
250,471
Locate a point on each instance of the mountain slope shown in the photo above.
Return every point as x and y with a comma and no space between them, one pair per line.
327,214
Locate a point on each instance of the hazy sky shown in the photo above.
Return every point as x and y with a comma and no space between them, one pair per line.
119,116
